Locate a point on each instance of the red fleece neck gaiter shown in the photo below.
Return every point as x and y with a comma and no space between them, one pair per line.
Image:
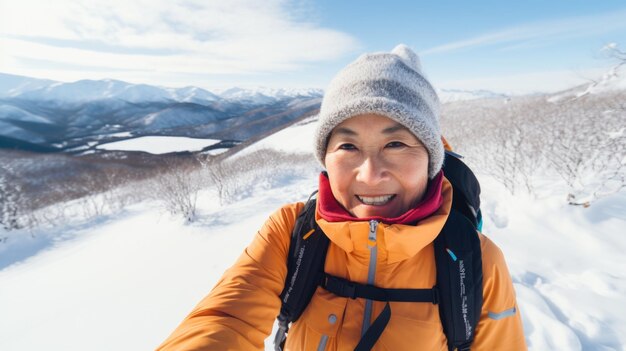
332,211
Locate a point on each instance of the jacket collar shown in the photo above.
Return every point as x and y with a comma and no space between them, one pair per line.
332,211
400,241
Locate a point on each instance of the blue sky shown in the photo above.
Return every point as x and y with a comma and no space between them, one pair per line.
518,47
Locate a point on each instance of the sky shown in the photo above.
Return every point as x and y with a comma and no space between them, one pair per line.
510,47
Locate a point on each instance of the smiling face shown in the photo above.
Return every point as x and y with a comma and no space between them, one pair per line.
376,166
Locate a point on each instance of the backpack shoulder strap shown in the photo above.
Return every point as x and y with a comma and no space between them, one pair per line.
459,279
305,267
465,186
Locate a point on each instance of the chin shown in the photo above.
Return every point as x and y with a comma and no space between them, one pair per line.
373,212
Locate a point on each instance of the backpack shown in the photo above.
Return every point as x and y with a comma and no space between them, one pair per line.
458,260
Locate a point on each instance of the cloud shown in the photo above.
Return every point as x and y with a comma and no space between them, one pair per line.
546,31
166,37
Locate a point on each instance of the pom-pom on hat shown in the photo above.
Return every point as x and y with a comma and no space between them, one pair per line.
387,84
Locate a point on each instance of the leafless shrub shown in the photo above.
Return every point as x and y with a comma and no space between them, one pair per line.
239,177
220,173
581,140
10,202
177,188
52,189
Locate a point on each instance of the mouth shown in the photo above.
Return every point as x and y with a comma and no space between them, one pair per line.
375,200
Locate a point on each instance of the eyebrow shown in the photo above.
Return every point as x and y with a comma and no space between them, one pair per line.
344,131
388,130
397,127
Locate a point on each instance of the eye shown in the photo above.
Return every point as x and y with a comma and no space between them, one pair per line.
347,146
395,145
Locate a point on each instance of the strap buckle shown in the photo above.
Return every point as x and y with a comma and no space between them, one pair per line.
435,295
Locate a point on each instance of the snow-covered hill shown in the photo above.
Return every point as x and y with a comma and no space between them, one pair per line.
451,95
90,90
611,81
124,281
12,85
267,95
297,138
194,94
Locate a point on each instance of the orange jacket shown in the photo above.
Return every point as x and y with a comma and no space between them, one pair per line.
240,311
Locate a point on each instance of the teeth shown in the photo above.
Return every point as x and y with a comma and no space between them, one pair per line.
375,200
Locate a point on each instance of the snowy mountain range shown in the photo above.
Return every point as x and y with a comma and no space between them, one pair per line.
19,87
65,116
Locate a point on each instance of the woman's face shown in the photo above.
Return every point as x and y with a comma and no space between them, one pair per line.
376,166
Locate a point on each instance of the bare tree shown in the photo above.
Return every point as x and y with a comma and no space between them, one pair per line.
219,172
178,189
582,141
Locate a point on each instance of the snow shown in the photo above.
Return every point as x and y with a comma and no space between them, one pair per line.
12,131
214,152
451,95
13,113
612,80
121,135
564,262
125,281
13,85
90,90
159,144
192,94
260,95
296,139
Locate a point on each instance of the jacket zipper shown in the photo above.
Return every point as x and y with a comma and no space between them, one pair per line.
371,273
323,341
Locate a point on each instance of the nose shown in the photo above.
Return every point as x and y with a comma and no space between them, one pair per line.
372,171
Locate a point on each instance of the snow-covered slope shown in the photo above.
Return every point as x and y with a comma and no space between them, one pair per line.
17,114
12,85
11,119
267,95
13,131
194,94
613,80
450,95
298,138
89,90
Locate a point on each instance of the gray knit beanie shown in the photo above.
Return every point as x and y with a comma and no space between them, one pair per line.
387,84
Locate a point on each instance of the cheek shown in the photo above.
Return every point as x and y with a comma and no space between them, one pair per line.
415,181
339,178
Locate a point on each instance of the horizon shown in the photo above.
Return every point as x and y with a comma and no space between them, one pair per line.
515,48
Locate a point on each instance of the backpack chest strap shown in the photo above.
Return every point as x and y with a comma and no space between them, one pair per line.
345,288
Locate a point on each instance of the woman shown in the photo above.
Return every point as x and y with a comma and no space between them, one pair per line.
378,138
